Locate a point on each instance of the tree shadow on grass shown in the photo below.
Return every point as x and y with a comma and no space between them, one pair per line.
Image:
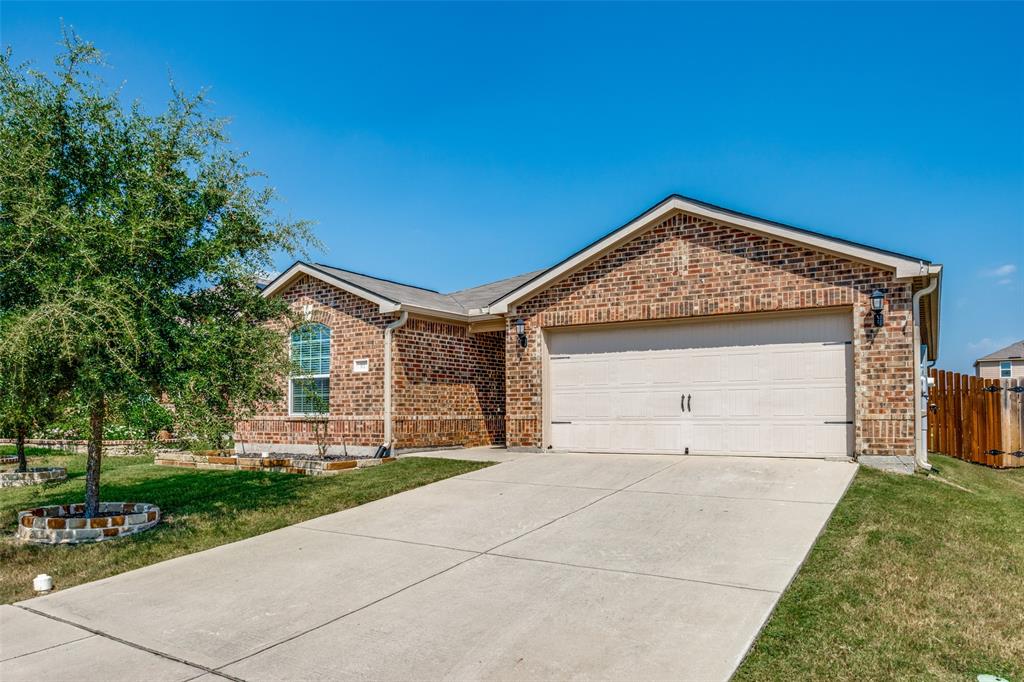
183,492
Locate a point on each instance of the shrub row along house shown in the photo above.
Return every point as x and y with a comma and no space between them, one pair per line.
691,329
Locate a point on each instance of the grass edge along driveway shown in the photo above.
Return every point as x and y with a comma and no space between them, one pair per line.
201,509
913,578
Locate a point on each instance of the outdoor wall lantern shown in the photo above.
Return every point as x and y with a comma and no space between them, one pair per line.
521,332
877,299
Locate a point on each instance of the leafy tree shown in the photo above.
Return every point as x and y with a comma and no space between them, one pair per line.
227,360
25,408
134,417
129,248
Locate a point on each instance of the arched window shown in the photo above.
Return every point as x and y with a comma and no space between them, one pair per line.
309,387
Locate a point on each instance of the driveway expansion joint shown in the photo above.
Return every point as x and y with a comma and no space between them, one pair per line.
378,537
119,640
638,573
542,485
726,497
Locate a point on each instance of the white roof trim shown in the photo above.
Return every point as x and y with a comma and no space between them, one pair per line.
904,267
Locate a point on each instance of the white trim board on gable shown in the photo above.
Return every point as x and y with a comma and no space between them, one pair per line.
905,267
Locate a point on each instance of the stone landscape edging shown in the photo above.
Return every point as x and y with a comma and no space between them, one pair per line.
55,525
34,476
284,464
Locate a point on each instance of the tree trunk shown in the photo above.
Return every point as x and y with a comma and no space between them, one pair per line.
92,465
20,446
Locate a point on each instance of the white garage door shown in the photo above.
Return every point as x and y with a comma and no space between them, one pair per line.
752,385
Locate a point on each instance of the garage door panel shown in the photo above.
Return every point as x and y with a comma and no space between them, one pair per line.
789,402
665,403
667,369
566,405
744,437
706,368
833,439
632,370
789,438
597,373
830,402
708,438
707,402
744,402
742,368
756,393
829,363
597,405
565,374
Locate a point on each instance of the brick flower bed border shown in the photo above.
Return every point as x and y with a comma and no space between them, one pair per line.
54,525
36,476
8,460
290,465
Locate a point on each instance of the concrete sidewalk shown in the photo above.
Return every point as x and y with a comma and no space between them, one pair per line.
543,567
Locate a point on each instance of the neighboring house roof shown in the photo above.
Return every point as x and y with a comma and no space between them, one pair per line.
493,300
1015,351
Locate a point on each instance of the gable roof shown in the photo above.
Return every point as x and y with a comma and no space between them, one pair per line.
492,300
1014,351
393,296
396,291
903,265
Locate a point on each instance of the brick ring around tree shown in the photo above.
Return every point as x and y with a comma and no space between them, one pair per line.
65,523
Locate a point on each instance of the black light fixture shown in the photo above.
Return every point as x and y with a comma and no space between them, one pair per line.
521,332
877,299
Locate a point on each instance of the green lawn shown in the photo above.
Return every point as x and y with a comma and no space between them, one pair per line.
912,579
202,509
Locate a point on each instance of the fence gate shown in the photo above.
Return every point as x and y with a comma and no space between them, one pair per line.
977,420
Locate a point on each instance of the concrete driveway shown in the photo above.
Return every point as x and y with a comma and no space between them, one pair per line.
544,567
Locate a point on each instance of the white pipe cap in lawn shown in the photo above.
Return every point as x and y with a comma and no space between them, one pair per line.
991,678
42,583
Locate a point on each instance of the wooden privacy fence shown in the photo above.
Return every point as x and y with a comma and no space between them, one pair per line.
976,420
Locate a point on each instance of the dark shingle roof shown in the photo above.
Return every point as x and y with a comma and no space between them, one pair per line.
1014,350
459,302
478,297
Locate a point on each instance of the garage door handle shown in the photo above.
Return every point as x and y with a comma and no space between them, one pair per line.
688,408
684,402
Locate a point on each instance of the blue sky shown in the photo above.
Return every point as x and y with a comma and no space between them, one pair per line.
449,145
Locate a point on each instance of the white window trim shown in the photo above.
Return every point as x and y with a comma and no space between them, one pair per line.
1009,369
293,377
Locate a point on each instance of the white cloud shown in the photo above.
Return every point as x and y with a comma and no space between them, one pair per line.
987,345
1002,271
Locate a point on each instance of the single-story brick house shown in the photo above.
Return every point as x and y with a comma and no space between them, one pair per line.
690,329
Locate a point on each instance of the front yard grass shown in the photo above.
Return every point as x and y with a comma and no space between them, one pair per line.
201,509
912,579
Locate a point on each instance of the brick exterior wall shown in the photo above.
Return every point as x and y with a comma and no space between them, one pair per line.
689,266
356,400
449,385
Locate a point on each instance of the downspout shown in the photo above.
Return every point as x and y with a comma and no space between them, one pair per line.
388,374
920,437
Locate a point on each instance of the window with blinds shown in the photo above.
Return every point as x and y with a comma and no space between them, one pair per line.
309,386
